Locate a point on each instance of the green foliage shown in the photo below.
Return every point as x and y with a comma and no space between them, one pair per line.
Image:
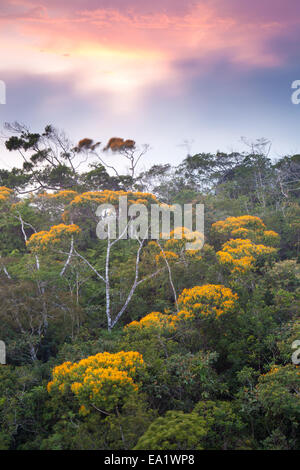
225,426
175,431
210,381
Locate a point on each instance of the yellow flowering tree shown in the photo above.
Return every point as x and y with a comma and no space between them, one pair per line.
101,382
248,241
44,240
5,193
158,322
240,255
245,227
208,300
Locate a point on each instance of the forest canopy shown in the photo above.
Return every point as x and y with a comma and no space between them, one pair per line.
142,344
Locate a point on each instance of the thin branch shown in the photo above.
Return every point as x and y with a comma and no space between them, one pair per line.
170,275
89,265
106,164
5,271
101,411
69,258
37,261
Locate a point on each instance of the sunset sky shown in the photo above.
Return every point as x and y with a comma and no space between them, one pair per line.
161,72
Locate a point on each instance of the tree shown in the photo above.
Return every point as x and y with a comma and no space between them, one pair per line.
100,382
73,206
225,426
52,162
175,431
244,247
48,158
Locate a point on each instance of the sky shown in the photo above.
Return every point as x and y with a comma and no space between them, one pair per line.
182,76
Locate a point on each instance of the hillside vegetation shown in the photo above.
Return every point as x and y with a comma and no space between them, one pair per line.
143,344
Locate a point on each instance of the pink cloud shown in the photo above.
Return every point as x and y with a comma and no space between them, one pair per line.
201,27
16,10
127,46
